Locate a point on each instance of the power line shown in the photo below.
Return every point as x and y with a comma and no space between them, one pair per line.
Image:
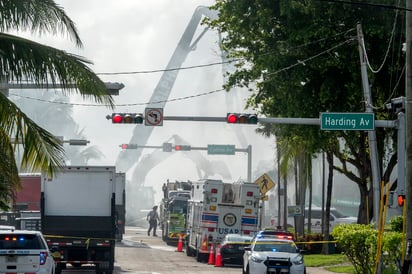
120,105
165,70
222,62
299,62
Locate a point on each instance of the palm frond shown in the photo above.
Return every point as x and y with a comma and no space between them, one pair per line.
9,179
41,150
42,16
22,59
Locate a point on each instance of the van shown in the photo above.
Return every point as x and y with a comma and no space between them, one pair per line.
336,218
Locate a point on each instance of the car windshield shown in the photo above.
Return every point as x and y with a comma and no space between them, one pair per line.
274,246
20,241
337,214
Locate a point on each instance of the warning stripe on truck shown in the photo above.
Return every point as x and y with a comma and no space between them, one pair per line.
249,221
208,218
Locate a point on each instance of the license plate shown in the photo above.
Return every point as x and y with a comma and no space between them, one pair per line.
11,259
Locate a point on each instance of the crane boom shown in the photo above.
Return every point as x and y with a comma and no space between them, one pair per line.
162,91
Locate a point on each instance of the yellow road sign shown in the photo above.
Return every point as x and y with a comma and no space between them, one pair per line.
265,183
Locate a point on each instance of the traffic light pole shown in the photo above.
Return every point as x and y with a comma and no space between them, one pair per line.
111,87
271,120
248,150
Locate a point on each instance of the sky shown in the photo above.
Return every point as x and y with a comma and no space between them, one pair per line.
136,36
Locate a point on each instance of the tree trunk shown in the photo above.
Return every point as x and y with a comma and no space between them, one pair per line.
365,213
325,225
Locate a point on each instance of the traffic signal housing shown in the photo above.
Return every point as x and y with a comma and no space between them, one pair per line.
182,147
128,146
401,200
126,118
241,118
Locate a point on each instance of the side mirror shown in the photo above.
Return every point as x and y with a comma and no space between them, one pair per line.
247,248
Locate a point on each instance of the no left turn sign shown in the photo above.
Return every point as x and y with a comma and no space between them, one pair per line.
153,117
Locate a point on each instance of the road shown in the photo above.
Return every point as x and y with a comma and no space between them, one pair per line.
142,254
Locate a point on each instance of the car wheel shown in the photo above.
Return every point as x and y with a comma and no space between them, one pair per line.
58,269
198,256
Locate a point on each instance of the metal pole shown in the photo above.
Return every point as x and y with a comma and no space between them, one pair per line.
249,163
376,177
408,113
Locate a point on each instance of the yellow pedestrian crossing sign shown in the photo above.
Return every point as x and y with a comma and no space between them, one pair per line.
265,183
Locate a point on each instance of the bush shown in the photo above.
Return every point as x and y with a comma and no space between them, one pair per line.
359,244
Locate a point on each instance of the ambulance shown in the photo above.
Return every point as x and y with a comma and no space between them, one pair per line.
216,209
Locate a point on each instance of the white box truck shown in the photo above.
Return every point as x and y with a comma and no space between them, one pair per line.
78,216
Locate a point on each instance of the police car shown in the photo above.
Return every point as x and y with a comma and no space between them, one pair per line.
272,255
23,251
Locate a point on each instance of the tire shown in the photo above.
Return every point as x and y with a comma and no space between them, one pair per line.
58,269
198,256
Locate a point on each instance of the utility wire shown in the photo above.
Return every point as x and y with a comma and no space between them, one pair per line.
222,62
121,105
165,70
387,49
191,96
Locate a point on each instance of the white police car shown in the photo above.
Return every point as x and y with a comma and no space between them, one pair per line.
24,251
273,255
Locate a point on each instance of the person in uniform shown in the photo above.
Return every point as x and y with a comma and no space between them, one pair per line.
152,218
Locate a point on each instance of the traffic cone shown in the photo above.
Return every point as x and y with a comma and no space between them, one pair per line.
180,244
218,261
211,256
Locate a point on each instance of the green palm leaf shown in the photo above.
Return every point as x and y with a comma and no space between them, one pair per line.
37,16
22,59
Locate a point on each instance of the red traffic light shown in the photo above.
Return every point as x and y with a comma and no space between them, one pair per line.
117,118
126,118
241,118
231,118
401,200
128,146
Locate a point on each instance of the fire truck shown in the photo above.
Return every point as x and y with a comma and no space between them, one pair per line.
173,210
216,209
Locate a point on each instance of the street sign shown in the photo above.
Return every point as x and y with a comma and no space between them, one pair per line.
347,121
153,116
265,183
294,210
221,149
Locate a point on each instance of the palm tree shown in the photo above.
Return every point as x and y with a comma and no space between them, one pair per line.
24,60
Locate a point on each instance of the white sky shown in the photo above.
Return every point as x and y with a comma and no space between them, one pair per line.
135,35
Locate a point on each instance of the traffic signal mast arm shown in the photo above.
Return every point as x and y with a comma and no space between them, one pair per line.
271,120
262,120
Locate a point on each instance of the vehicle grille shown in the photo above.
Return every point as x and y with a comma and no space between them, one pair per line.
277,265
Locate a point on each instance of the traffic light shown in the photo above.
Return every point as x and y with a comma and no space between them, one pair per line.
126,118
182,147
128,146
241,118
401,199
